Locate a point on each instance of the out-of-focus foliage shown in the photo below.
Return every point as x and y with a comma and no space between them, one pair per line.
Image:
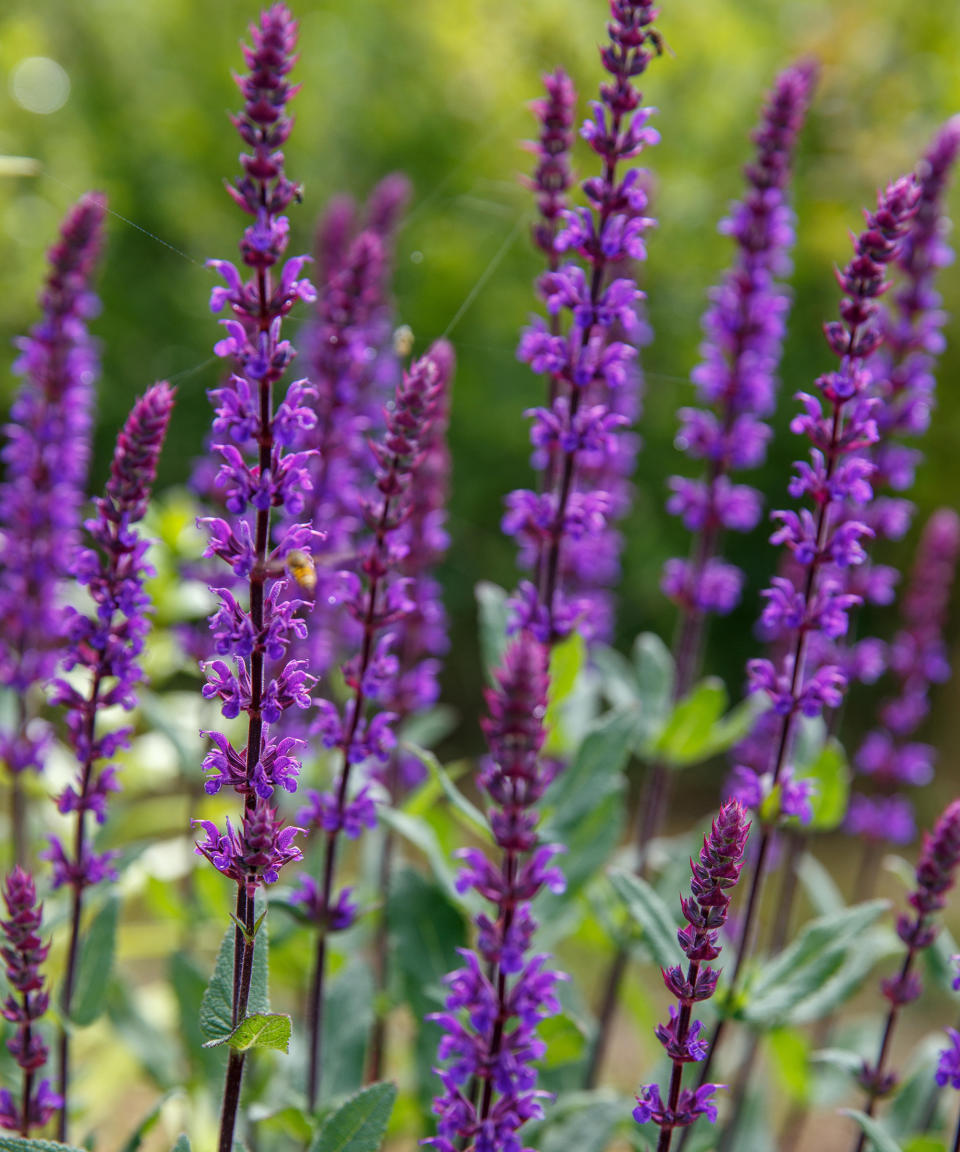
439,89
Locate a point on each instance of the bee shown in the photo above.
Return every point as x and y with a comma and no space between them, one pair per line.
301,567
403,341
659,44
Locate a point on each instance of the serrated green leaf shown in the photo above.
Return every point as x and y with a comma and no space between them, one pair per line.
880,1138
347,1017
263,1030
830,774
360,1124
845,976
816,956
96,964
686,737
21,1144
216,1007
471,815
651,915
594,771
493,618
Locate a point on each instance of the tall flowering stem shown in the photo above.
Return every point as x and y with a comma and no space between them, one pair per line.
261,469
888,756
565,531
107,646
422,642
23,952
705,911
736,383
839,425
935,876
353,371
45,454
496,1001
736,380
379,600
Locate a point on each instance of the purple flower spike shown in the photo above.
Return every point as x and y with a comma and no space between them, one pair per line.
496,1001
736,381
23,952
378,598
552,176
917,659
45,452
714,873
587,348
108,643
948,1066
935,876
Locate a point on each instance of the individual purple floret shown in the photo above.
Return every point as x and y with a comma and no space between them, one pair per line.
45,455
935,876
565,530
23,952
714,874
379,598
107,644
737,379
888,755
496,1001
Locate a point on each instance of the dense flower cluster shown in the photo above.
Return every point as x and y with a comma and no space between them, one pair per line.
565,531
917,659
353,371
824,538
264,467
45,455
108,642
23,952
736,380
935,876
705,910
380,599
496,1001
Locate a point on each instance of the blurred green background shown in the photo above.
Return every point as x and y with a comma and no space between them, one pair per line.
439,88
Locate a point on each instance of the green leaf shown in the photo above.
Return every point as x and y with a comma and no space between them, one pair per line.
651,914
846,974
586,1129
149,1121
182,1144
567,660
924,1144
216,1007
262,1030
819,885
791,1051
96,964
419,833
493,618
939,961
880,1138
347,1018
655,671
830,774
686,737
360,1124
618,676
816,955
20,1144
189,984
595,770
471,815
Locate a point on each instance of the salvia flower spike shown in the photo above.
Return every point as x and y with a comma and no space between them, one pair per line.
496,1001
23,952
565,531
838,424
935,875
378,598
705,910
45,454
264,467
888,756
107,644
737,379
